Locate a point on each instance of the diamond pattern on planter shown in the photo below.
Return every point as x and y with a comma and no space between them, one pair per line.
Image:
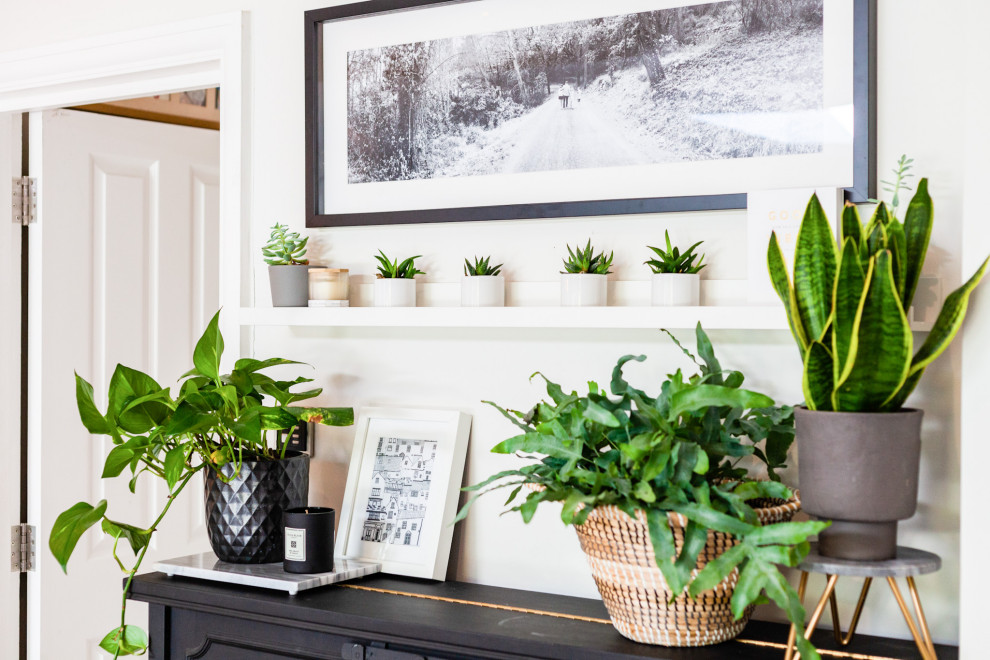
244,516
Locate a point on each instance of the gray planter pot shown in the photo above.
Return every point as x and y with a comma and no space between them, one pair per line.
290,285
859,470
244,515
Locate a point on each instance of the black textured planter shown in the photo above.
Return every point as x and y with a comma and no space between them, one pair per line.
244,516
859,470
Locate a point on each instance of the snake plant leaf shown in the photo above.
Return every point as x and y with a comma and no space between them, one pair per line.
881,355
917,232
814,270
896,243
782,285
946,326
852,226
876,240
819,377
848,292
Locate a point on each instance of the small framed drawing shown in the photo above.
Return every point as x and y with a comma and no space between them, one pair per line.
402,489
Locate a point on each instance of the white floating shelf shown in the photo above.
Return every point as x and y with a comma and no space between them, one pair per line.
748,318
613,318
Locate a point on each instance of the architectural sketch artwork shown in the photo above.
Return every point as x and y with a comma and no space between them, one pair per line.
400,491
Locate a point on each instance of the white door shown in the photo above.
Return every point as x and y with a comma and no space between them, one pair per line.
10,386
123,270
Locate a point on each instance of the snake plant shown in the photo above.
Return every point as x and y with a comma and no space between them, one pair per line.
847,306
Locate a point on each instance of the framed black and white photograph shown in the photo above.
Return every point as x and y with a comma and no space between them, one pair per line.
402,489
492,109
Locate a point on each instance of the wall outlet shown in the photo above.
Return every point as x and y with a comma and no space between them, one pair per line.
300,439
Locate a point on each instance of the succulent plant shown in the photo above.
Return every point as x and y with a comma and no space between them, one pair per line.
285,248
395,270
672,260
586,261
481,267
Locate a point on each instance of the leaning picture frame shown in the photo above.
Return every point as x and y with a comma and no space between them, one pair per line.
402,489
454,110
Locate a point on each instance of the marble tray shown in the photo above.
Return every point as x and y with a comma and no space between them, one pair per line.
206,566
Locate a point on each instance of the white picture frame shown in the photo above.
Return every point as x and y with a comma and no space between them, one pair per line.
402,490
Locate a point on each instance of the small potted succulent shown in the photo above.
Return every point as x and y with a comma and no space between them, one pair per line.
482,286
675,278
847,308
288,269
681,540
232,428
394,285
584,280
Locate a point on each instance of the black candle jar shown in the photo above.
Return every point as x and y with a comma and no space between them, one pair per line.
308,539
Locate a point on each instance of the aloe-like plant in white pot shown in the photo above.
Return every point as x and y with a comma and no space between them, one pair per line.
395,285
676,279
482,285
584,280
288,269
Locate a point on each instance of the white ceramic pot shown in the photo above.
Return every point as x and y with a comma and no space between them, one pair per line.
395,292
482,291
676,289
583,290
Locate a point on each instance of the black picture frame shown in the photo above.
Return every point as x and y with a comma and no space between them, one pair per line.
864,143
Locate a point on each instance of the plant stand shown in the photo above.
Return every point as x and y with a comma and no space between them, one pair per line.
908,563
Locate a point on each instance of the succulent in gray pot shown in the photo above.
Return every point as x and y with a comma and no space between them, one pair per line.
234,428
288,269
859,448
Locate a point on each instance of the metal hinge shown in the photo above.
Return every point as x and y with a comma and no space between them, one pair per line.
25,200
22,556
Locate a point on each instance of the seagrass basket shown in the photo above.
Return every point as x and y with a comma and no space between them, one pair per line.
635,593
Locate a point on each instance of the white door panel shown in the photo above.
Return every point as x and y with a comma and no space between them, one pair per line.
10,386
128,237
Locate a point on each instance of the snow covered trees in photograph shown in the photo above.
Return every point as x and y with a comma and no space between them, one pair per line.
722,80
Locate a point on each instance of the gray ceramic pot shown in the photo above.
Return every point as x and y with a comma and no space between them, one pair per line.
859,470
290,285
244,515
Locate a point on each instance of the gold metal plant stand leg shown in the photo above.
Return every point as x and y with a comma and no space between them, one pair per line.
815,616
924,638
919,631
837,625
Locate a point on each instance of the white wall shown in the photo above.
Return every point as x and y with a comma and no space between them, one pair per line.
922,112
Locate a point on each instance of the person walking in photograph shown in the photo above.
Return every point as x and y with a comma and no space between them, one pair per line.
564,95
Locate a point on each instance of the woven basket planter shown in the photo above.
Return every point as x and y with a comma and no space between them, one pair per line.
634,590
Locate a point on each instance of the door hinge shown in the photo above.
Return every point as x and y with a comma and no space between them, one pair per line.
25,200
22,556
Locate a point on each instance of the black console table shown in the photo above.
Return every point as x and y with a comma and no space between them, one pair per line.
388,618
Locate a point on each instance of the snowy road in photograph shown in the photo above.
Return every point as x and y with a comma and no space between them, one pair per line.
554,138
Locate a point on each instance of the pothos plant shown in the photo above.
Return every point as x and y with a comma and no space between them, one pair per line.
847,304
680,450
586,261
210,421
388,269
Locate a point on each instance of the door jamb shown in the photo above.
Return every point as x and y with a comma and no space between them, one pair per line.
191,54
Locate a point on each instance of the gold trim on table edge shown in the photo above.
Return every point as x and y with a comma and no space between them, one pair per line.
588,619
